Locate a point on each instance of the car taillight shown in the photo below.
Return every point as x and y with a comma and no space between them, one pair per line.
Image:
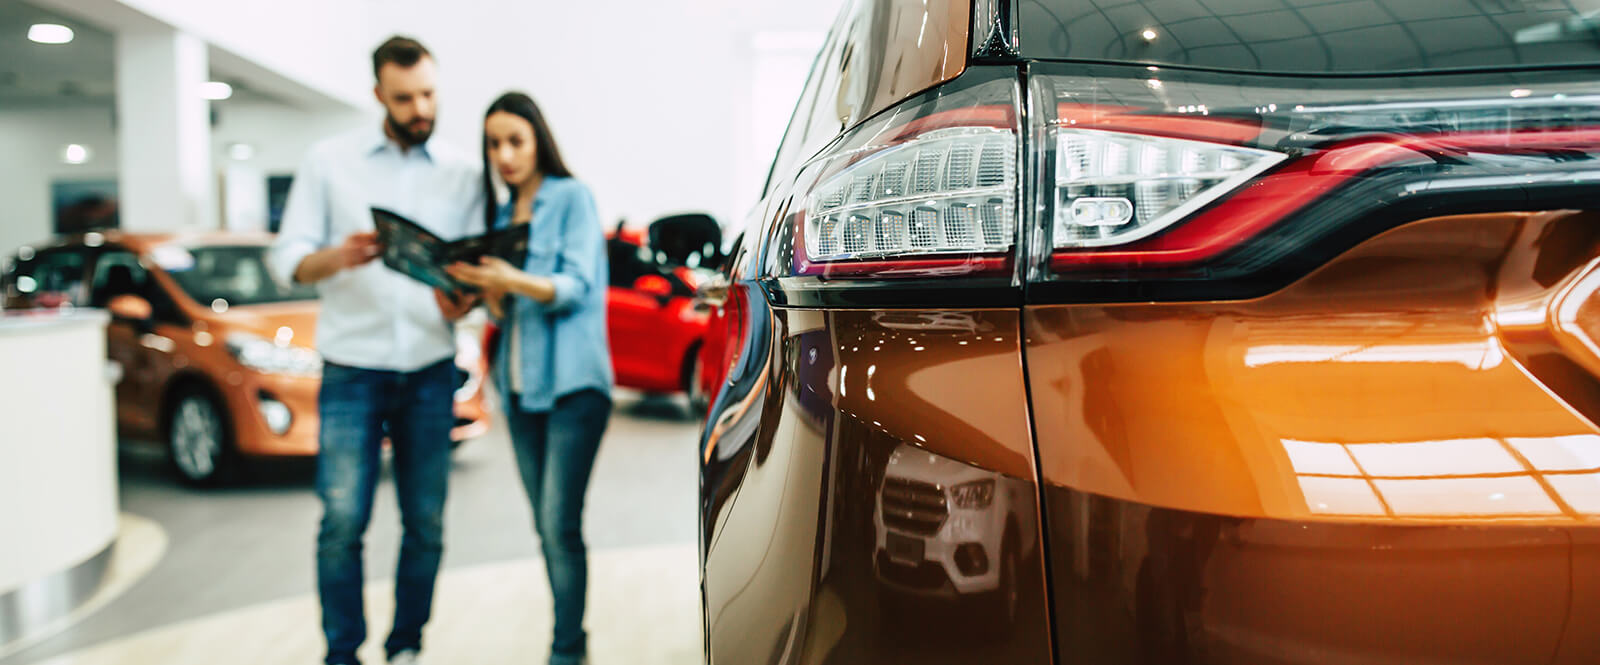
951,191
926,190
1114,188
1160,184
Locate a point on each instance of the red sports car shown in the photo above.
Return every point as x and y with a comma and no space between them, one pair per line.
657,328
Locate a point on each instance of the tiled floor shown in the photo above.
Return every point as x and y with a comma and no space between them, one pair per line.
640,612
234,583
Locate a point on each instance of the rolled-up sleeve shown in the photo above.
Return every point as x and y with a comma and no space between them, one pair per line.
305,222
582,243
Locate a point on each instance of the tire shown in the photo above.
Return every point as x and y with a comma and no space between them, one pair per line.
699,401
199,440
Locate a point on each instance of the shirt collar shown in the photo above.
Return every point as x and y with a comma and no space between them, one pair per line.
379,141
538,198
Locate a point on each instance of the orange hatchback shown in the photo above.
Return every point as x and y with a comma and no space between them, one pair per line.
1162,332
217,358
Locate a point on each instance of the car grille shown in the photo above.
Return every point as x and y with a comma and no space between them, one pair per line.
915,507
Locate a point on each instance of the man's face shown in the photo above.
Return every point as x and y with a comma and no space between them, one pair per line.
407,94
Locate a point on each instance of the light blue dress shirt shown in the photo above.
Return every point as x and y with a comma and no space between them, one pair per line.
560,346
373,317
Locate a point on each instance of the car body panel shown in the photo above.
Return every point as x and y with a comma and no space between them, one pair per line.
795,550
1206,505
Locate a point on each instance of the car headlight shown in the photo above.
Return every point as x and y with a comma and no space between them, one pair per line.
263,355
974,495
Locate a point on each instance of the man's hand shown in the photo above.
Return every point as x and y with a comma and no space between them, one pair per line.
356,250
454,306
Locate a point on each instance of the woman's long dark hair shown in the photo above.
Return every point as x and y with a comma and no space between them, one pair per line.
547,156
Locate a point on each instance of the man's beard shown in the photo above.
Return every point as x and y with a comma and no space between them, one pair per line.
406,135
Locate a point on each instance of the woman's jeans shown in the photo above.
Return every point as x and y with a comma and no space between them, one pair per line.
358,407
555,453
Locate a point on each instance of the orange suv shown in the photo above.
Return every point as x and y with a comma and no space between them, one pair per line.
217,358
1167,331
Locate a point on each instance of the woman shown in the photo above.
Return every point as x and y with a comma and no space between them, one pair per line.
553,365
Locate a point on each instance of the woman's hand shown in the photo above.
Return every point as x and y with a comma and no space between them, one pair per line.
491,274
495,275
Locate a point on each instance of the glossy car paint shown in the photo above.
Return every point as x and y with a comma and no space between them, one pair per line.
804,523
1390,457
1205,507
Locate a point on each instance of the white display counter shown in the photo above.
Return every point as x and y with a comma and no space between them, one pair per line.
58,465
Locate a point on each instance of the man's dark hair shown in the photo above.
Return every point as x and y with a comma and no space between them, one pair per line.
403,51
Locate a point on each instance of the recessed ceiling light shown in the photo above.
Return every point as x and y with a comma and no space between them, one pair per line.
1149,34
1521,92
75,154
216,91
50,33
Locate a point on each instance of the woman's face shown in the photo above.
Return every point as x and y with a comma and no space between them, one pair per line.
511,147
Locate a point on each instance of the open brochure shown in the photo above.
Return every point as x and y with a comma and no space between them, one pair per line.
418,253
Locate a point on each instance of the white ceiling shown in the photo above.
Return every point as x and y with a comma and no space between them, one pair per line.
73,75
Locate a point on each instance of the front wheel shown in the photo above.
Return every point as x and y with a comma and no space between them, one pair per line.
198,441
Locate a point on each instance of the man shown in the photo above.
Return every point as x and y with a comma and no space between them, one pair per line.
386,340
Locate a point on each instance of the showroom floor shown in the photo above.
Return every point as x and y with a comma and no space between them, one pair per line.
225,575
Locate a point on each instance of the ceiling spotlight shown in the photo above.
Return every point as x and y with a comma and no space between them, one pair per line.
1521,92
241,151
216,91
1149,34
75,154
50,33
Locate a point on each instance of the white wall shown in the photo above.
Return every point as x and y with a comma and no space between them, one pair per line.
280,135
651,102
31,143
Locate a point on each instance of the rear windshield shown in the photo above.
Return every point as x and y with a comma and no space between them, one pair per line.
1316,36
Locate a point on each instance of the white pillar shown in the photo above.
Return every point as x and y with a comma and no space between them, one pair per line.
164,131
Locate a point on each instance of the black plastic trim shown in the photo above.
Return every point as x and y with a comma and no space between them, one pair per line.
955,292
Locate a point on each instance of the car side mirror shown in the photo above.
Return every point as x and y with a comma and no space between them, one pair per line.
131,308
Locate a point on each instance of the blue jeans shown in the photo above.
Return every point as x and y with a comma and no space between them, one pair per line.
555,453
358,407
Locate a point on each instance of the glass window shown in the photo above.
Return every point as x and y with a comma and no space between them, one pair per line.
234,275
1312,36
52,278
118,273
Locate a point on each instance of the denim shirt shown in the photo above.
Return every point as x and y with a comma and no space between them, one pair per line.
563,345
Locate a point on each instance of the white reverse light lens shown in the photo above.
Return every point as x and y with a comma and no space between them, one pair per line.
950,191
1114,188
